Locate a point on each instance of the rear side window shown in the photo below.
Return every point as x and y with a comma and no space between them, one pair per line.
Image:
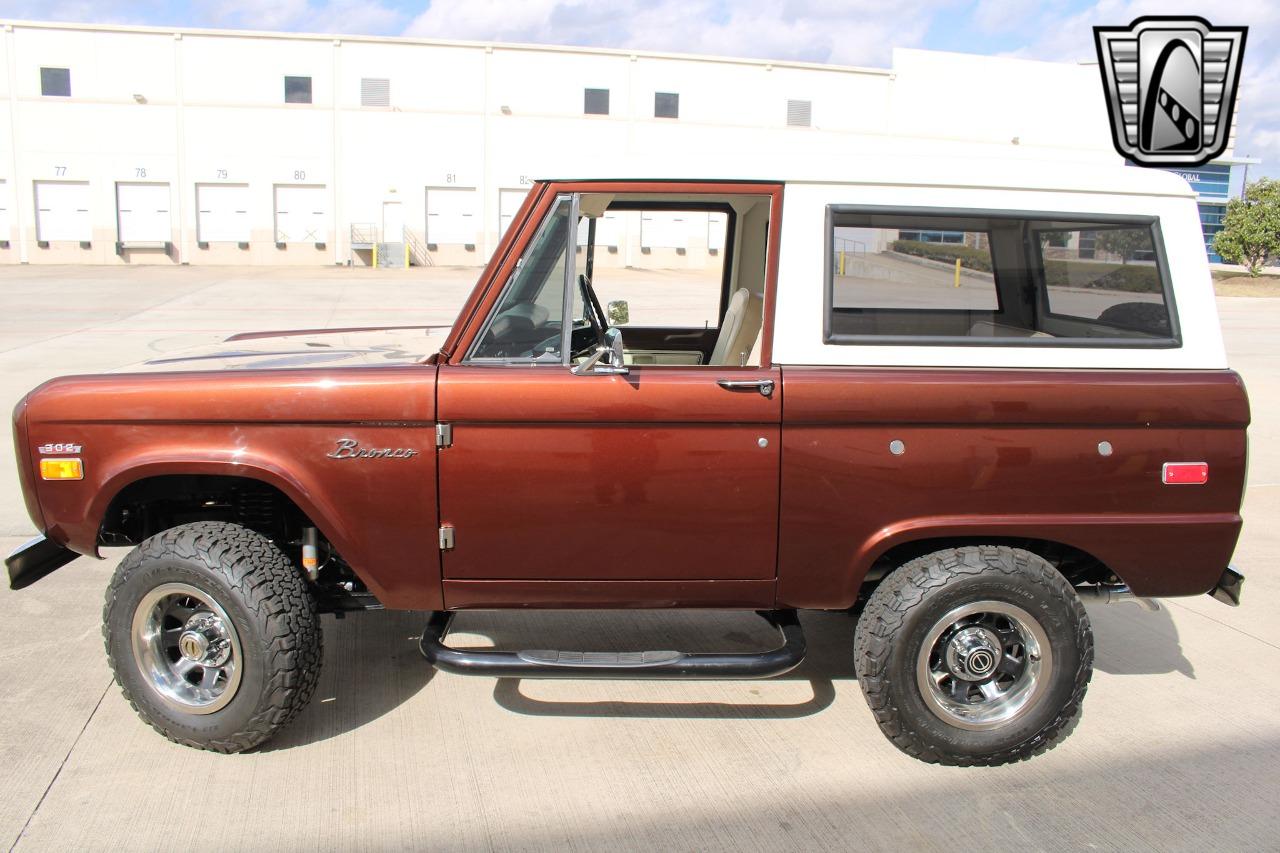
898,277
1107,277
893,268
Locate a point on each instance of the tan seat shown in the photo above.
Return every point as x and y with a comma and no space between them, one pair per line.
738,329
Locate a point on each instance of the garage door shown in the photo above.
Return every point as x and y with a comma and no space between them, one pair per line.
509,202
451,216
301,215
608,231
62,210
662,229
142,213
222,213
717,225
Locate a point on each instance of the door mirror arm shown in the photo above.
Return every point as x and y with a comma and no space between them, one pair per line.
607,358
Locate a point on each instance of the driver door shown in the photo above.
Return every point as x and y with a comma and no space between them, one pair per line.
645,485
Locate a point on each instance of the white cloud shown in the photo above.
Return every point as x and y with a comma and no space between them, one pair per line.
326,16
855,33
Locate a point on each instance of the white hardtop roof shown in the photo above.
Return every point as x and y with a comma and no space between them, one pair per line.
923,170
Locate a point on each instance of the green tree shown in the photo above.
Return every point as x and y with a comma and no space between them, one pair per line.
1250,232
1124,242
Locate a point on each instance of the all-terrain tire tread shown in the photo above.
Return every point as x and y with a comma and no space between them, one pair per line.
272,588
907,588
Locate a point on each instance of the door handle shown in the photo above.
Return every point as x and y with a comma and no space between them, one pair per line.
764,386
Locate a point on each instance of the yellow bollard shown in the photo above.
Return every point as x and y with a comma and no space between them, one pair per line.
957,272
842,262
375,256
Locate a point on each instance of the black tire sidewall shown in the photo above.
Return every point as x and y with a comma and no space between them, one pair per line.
1045,604
202,728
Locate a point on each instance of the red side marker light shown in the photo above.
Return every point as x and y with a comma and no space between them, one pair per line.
1185,473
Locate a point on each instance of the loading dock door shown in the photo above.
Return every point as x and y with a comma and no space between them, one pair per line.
451,216
301,213
608,229
662,229
222,213
142,213
717,223
62,210
509,202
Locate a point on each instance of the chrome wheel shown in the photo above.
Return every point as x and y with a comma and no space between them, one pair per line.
983,665
187,648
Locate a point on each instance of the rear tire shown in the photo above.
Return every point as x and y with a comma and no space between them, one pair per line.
212,635
975,656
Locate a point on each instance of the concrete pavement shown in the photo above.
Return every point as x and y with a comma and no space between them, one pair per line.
1177,749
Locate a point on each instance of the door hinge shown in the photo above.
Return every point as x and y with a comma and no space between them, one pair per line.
446,537
444,435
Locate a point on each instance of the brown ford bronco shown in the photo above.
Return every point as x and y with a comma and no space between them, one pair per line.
955,408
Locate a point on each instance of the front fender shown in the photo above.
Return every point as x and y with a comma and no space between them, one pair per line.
281,428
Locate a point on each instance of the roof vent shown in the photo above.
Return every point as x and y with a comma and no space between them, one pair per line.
799,113
375,92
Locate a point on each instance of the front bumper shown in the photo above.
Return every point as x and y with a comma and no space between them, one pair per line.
37,558
1229,585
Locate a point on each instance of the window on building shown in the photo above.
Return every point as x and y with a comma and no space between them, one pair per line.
297,90
799,113
595,102
666,105
375,92
911,278
55,82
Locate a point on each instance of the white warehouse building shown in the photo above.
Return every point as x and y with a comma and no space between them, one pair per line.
145,145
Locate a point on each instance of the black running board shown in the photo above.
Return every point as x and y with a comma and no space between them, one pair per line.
617,665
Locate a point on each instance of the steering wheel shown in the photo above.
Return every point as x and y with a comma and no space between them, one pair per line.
594,316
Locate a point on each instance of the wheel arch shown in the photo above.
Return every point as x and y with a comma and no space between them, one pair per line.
1073,563
143,475
170,488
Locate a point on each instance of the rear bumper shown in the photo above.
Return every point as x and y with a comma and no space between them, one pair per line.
1228,588
37,558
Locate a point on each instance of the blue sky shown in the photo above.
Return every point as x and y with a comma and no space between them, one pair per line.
852,32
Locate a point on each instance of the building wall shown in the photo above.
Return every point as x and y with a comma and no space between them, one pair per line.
201,117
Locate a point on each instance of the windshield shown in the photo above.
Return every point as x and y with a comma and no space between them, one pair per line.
526,324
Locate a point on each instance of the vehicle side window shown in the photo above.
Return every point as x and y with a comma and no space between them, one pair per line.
1104,276
914,268
992,279
667,265
525,324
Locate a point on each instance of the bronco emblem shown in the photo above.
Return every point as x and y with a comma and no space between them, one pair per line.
349,448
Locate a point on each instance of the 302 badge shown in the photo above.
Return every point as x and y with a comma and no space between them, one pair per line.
59,447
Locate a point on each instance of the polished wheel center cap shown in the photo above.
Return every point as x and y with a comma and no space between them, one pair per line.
973,654
204,640
193,644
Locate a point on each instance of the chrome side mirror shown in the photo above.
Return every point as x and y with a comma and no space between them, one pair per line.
619,312
610,353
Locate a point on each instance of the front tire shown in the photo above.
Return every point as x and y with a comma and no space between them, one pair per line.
975,656
212,636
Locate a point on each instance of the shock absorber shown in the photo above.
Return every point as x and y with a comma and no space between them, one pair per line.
310,553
